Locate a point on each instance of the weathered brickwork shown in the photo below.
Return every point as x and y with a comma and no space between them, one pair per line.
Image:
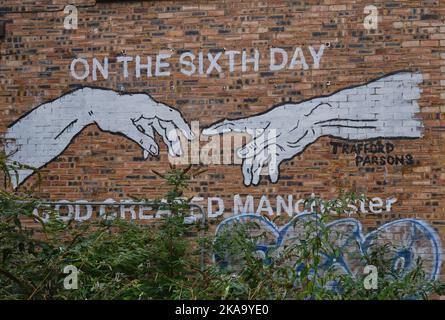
37,51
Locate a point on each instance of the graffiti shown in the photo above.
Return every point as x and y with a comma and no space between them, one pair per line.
409,239
201,63
372,153
212,207
42,134
382,108
290,206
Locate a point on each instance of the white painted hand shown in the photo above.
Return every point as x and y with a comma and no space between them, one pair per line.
384,108
45,132
137,117
277,135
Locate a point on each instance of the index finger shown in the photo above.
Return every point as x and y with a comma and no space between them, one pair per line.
169,114
240,125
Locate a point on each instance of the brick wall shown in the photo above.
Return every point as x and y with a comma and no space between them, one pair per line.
37,51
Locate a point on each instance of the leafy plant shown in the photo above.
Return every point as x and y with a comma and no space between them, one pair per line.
163,259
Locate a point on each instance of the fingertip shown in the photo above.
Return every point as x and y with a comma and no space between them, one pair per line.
177,151
245,152
273,177
247,177
154,150
256,180
209,132
191,135
219,128
241,152
188,133
171,153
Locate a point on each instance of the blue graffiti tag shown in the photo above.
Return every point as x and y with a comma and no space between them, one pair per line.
409,240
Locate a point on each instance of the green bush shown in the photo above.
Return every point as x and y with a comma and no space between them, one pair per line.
120,259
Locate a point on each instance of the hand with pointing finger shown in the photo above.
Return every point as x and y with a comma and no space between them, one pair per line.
276,136
138,117
384,108
45,132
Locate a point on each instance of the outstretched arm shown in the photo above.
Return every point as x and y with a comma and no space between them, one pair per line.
44,133
384,108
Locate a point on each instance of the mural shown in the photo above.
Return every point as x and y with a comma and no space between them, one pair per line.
382,108
39,136
408,238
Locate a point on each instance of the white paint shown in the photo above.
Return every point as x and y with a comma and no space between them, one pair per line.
69,216
255,60
264,206
316,56
127,212
231,54
202,63
124,60
104,214
274,66
213,207
103,69
298,204
86,69
79,216
44,133
213,60
364,112
184,62
298,59
219,203
160,64
139,66
210,152
44,216
281,204
389,203
375,205
142,215
362,206
385,108
238,206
